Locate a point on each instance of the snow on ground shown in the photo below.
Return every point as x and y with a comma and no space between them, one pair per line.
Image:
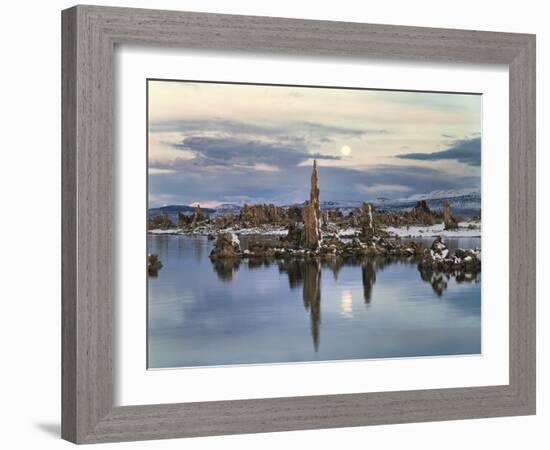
268,231
271,231
169,231
235,240
348,232
463,230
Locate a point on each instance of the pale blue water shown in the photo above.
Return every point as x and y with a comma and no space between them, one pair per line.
202,314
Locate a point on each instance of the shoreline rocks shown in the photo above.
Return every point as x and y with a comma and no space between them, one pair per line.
227,246
160,222
435,258
439,258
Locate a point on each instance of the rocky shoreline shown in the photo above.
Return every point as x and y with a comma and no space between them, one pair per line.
464,229
268,219
310,233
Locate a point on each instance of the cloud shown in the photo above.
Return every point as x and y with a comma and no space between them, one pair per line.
296,128
193,183
231,126
345,131
217,151
159,171
377,188
265,168
467,151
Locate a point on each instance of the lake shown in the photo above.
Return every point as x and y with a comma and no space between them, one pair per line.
241,312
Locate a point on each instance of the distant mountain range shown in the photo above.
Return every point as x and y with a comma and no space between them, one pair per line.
465,202
172,211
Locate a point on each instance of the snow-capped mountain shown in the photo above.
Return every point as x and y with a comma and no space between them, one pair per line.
465,202
452,193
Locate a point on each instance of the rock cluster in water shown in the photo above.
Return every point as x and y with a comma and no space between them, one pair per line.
312,237
227,246
315,235
436,258
153,264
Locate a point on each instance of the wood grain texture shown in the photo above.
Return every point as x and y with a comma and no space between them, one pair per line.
89,36
68,226
522,283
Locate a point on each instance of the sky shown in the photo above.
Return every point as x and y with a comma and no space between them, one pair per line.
214,143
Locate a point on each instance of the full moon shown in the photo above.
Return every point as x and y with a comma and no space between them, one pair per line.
346,150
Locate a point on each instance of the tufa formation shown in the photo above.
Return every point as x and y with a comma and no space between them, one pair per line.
311,214
450,222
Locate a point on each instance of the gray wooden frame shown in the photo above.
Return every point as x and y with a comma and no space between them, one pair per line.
89,36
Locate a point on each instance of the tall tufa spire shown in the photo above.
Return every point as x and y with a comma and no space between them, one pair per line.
312,213
314,192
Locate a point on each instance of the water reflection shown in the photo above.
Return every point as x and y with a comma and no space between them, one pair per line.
346,303
335,266
369,277
198,250
312,298
261,311
226,268
306,273
439,281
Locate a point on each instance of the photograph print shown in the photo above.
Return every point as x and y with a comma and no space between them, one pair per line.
294,224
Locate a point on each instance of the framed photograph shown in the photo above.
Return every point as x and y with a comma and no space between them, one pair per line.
278,224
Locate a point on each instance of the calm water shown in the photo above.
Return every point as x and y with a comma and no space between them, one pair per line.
202,313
